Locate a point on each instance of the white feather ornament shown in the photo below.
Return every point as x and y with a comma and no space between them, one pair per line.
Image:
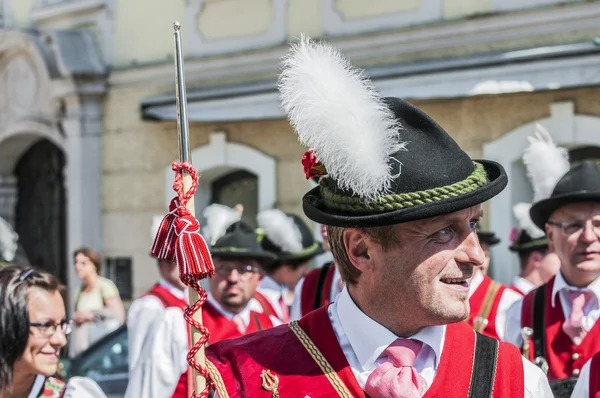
218,219
337,113
521,212
8,241
280,229
546,163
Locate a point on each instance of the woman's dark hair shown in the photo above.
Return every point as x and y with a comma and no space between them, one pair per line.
15,283
92,255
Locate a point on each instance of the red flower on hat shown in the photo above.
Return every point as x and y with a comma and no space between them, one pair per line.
312,167
514,233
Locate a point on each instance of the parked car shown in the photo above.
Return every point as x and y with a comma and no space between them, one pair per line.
106,362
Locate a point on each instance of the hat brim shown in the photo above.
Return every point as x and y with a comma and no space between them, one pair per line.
497,181
263,258
537,244
541,211
490,241
302,255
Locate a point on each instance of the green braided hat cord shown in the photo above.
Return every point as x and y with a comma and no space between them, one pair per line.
386,203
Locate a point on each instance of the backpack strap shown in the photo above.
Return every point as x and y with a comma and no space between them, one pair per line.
53,388
485,360
539,328
320,284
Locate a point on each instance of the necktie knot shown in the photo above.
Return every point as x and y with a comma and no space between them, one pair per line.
403,352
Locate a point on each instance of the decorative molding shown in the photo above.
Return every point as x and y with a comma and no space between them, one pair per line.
335,24
484,30
198,45
512,5
567,129
221,157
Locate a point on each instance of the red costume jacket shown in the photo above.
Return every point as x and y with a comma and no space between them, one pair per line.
564,358
491,292
313,364
184,387
316,288
223,328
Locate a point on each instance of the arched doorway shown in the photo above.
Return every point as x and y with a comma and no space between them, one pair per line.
236,187
40,212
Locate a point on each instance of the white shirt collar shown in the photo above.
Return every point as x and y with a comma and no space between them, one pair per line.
269,283
369,339
253,305
475,282
523,284
180,294
561,284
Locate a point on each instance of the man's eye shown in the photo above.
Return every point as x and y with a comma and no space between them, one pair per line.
445,231
474,224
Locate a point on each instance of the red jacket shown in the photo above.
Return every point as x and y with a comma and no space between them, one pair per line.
222,328
316,288
313,362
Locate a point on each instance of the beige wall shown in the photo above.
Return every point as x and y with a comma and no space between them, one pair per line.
20,12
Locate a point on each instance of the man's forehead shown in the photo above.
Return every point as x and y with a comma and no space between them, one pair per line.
579,210
468,213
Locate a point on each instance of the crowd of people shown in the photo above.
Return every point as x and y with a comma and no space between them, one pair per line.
406,309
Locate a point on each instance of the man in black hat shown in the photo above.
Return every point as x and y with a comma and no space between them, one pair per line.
231,310
289,239
537,263
401,201
563,314
488,299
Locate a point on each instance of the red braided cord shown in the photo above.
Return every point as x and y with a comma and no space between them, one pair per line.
191,280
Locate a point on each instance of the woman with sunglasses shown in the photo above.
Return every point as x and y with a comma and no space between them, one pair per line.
33,330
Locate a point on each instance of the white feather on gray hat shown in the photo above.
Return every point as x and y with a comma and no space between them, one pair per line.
217,219
280,229
546,163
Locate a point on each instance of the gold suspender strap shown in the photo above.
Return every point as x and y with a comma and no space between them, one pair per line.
482,318
217,380
318,357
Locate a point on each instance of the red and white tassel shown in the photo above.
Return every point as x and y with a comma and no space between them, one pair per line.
164,242
191,250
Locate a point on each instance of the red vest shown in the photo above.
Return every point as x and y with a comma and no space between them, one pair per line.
266,305
476,301
222,328
562,355
594,384
237,366
316,286
184,388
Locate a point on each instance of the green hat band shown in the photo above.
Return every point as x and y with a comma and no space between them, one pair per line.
307,251
533,244
228,250
386,203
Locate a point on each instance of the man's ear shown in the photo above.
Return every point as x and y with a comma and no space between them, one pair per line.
358,246
549,235
535,258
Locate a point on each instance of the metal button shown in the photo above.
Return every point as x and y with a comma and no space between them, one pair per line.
575,356
575,372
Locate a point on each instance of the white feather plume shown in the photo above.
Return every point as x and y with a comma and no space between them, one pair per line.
521,212
337,112
8,241
280,229
218,219
546,163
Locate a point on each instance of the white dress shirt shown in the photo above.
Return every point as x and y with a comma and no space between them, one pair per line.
77,387
591,311
509,297
363,340
582,388
336,288
158,346
253,305
523,284
273,292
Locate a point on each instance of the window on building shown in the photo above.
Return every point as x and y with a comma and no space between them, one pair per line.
119,270
238,187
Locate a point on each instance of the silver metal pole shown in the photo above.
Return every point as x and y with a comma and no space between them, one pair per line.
182,119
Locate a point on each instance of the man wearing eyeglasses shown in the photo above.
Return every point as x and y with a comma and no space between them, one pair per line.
231,311
556,324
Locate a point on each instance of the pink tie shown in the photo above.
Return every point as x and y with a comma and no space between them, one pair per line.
573,326
398,379
284,310
239,322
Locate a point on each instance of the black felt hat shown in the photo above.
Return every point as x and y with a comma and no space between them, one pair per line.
385,161
287,236
434,177
580,184
488,237
241,241
525,243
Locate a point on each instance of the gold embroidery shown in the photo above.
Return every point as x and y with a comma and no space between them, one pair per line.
217,380
318,357
270,382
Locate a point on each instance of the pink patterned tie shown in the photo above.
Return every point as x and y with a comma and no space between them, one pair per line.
398,379
573,325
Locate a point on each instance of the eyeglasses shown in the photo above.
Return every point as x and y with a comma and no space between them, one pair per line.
243,270
570,228
49,328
